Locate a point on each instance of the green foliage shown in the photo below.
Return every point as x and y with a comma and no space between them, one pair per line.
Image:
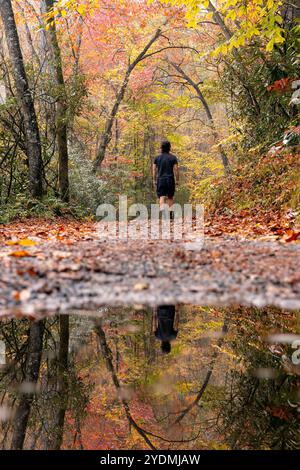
254,107
252,395
50,207
77,93
87,189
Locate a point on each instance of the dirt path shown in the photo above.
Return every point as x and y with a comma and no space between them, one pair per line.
78,272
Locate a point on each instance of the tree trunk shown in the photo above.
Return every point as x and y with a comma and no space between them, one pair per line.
33,144
204,386
61,112
209,115
107,135
32,368
34,54
62,382
106,138
107,354
219,20
290,13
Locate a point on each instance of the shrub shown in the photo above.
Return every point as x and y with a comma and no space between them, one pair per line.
87,189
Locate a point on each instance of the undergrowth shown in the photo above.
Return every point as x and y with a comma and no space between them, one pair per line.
258,183
23,207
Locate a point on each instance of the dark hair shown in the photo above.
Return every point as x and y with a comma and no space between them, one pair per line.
165,146
166,347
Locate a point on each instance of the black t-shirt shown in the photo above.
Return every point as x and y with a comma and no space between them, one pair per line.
165,318
165,165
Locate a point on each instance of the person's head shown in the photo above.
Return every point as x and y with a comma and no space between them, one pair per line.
165,146
166,347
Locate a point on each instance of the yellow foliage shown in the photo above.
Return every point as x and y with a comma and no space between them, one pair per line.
243,20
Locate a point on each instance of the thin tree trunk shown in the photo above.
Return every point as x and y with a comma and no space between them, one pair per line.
33,144
107,354
219,20
208,112
107,135
204,386
62,382
32,368
34,54
290,13
61,112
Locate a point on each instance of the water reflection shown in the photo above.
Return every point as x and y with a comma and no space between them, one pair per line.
103,380
164,318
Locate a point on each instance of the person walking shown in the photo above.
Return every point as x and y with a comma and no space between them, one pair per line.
166,176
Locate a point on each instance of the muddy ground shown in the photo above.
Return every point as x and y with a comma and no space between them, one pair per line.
61,273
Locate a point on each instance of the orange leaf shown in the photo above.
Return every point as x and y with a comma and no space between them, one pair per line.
20,254
24,242
291,236
16,296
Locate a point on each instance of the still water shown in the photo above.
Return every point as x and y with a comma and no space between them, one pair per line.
184,377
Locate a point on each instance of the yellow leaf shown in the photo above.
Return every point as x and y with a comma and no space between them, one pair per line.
24,242
80,9
270,45
27,242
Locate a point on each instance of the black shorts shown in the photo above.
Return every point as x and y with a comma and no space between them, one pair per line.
166,186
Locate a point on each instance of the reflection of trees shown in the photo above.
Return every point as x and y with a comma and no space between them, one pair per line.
31,375
107,354
24,344
167,401
205,383
59,369
256,412
41,367
130,347
253,419
144,433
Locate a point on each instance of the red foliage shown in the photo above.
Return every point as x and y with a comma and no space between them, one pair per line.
280,86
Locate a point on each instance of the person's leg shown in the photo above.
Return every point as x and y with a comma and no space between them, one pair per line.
162,201
171,194
170,202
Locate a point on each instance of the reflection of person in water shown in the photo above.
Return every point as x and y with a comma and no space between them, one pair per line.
165,330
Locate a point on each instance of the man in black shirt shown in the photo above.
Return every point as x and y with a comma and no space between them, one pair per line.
165,168
165,330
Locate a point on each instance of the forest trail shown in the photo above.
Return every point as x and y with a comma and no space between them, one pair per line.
61,268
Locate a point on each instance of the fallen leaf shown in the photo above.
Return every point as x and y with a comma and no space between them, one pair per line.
141,286
27,242
23,296
20,254
16,296
24,242
291,236
42,234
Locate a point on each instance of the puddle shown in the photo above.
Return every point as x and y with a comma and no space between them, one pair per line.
183,377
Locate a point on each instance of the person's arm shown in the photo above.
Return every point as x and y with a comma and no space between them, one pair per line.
154,173
176,170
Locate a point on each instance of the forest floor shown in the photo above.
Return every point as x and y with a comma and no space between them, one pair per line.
61,265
